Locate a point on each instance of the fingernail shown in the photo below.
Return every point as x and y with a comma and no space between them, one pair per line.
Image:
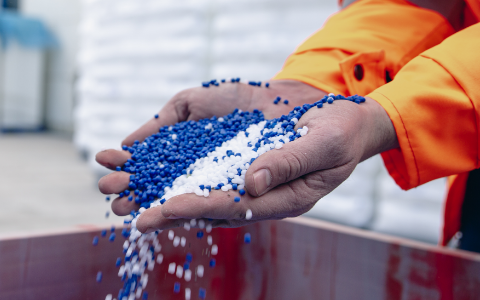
172,216
262,180
149,230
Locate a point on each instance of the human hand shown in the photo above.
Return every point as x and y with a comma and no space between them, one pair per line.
288,182
197,103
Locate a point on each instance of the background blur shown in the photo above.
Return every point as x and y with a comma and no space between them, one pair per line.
77,76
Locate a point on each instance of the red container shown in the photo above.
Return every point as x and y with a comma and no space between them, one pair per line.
295,259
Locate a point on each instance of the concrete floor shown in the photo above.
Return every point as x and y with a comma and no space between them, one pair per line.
45,185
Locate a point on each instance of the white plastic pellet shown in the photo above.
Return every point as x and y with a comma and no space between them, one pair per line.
171,268
132,295
159,258
186,226
125,245
201,224
176,241
188,275
209,240
171,234
121,271
183,241
206,192
214,250
208,228
193,222
109,297
158,248
139,292
179,271
248,214
278,145
200,271
150,266
188,294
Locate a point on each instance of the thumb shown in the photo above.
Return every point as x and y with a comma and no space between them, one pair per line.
295,159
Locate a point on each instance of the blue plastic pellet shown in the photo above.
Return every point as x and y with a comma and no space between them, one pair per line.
107,214
107,198
124,147
95,240
118,262
186,266
112,237
156,116
202,293
199,234
241,192
104,233
223,80
212,263
176,287
267,84
236,199
189,257
247,238
285,101
145,296
130,198
99,277
234,186
118,168
112,229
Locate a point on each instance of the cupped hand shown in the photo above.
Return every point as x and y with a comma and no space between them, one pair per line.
289,181
198,103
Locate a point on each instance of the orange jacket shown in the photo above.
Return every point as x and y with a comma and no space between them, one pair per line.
434,101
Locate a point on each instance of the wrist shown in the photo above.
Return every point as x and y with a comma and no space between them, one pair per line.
379,133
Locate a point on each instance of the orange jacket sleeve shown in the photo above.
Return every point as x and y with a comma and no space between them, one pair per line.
378,35
434,104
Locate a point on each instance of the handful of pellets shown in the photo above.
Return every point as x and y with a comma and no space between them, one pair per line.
197,157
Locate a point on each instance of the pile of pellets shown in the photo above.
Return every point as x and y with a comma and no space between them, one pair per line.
196,157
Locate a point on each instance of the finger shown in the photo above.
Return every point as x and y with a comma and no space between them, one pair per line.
153,219
167,116
114,183
218,205
122,206
112,158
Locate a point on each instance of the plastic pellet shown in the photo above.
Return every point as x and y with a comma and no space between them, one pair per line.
212,263
179,272
188,294
112,237
99,277
285,101
199,234
241,192
202,293
176,287
188,275
248,214
171,234
176,241
109,297
159,258
107,198
208,228
214,250
95,240
189,257
200,270
118,262
209,240
183,241
156,116
247,238
267,84
236,199
171,268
